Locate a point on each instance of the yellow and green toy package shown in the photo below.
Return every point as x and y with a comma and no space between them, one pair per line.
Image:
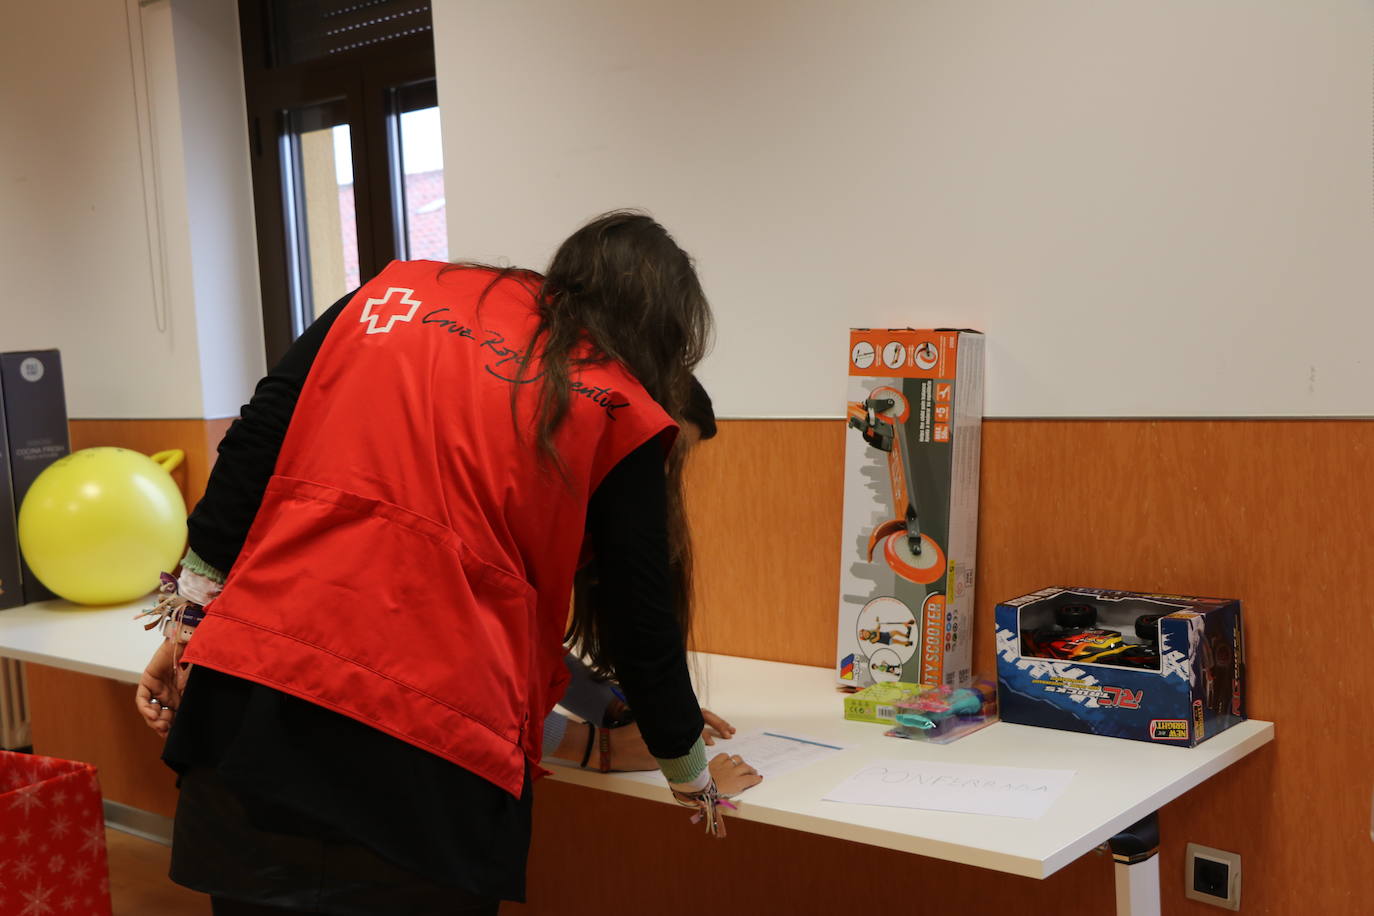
878,704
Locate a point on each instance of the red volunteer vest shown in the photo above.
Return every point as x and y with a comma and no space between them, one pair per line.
412,561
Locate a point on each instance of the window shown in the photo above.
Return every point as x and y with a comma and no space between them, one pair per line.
347,165
318,209
423,226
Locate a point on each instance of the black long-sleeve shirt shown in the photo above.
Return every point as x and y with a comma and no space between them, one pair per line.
306,764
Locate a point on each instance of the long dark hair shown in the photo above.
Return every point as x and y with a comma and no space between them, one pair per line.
621,284
618,289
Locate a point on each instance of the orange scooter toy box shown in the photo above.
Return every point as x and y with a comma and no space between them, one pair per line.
910,529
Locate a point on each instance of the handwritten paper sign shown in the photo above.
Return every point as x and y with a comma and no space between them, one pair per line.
1003,791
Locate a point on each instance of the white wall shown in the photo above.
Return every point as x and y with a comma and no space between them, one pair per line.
219,202
1154,208
75,253
123,224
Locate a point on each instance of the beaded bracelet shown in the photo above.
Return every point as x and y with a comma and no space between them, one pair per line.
179,630
605,744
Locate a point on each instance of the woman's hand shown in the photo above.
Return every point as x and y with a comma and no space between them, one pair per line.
733,775
159,689
716,727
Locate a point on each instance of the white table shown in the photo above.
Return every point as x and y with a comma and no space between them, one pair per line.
103,641
1119,783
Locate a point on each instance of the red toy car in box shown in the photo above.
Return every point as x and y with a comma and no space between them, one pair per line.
1075,636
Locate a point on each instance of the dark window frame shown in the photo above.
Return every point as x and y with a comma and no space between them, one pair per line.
364,79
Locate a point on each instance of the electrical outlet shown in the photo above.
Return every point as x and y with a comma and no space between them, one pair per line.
1212,876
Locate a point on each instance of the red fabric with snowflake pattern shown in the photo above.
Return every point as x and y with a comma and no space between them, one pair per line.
52,838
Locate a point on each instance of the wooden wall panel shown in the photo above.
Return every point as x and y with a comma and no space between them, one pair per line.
764,499
1274,512
197,438
79,717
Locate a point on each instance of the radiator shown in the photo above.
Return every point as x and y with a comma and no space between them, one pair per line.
14,705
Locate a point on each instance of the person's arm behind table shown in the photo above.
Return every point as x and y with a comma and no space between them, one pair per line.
219,525
626,522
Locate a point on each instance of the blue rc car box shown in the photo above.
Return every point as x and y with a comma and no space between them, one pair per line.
1162,668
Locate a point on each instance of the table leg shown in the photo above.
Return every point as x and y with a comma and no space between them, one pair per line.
1136,853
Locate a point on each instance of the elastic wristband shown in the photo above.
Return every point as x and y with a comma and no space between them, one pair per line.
687,769
591,740
198,566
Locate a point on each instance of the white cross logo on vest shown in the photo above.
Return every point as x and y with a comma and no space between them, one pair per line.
391,316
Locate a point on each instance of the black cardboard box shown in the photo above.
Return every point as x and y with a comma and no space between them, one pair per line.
11,582
35,416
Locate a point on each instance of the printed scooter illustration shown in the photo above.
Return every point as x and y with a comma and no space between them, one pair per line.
881,419
880,635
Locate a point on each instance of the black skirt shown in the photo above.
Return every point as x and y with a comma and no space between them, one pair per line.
272,783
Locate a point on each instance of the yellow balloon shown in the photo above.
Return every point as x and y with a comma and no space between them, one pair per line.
98,526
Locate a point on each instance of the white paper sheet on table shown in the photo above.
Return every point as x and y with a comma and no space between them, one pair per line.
772,754
1004,791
